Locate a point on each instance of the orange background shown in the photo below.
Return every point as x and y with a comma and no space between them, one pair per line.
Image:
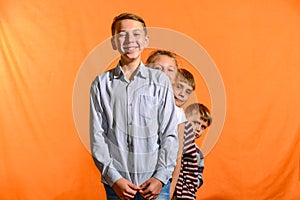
255,45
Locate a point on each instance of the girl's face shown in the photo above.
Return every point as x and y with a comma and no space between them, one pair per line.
167,65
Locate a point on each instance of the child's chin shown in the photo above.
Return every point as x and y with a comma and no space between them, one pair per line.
197,136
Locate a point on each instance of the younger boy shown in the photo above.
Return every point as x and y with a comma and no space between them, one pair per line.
200,117
183,87
192,165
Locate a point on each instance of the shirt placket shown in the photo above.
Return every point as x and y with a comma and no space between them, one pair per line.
129,116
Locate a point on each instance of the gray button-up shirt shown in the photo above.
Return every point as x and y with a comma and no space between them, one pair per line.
133,126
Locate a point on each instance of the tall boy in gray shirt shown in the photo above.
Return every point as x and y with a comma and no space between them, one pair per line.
132,119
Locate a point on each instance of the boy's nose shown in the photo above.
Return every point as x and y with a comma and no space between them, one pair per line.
181,93
199,129
130,37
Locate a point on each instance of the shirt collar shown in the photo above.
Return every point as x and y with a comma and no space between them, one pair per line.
142,71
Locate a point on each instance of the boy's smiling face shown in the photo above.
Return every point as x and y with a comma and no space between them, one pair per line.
130,39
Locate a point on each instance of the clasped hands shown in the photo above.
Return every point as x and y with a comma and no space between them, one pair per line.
126,190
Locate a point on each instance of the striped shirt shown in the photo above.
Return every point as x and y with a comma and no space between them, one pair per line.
200,161
133,126
187,183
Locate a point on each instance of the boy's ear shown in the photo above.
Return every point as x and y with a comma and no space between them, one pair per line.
113,44
146,42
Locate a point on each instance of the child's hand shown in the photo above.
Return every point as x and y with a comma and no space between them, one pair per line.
125,189
151,188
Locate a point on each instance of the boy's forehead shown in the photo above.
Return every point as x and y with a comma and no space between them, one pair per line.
193,115
128,25
181,79
196,114
165,58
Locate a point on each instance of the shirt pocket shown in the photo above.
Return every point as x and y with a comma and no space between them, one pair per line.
148,109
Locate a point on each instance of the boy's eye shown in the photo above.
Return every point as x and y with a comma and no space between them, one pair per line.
203,127
121,35
196,123
155,66
178,86
170,70
137,33
188,91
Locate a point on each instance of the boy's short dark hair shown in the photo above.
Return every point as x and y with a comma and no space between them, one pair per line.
202,109
124,16
188,76
156,53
